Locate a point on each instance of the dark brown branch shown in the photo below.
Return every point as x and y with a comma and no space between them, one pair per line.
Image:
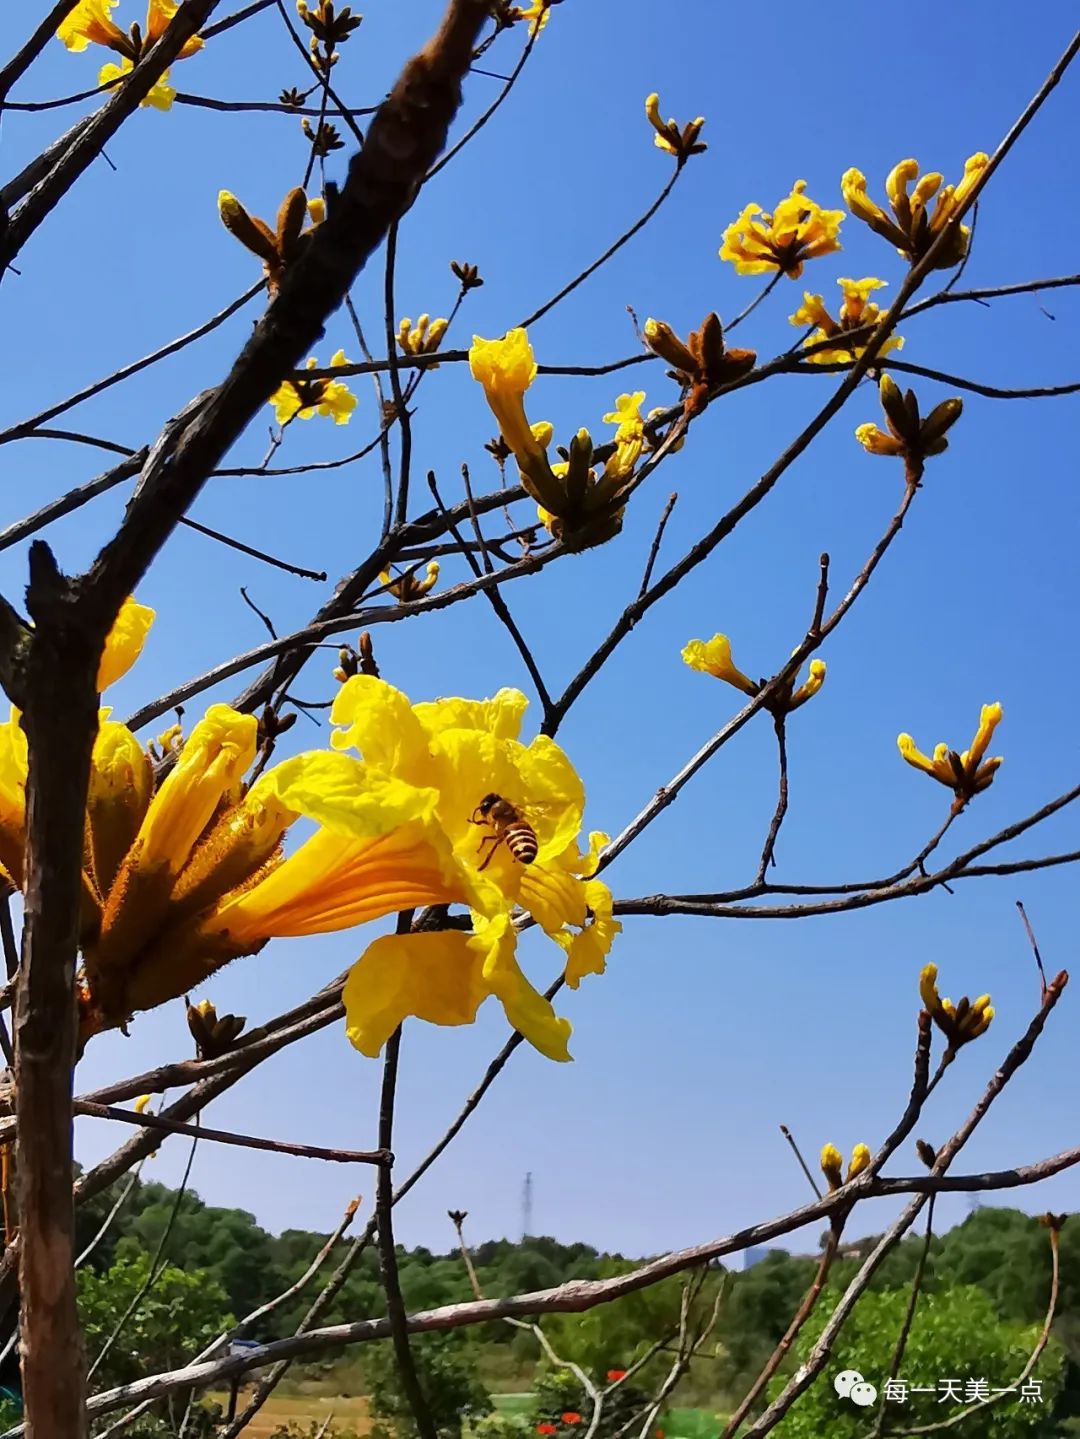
802,1314
405,135
26,427
73,500
575,1296
909,1315
21,61
769,848
498,604
161,1124
99,131
248,550
654,548
815,635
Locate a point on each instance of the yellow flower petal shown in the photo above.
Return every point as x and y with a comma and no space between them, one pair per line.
586,952
89,21
121,783
378,721
334,882
158,15
124,642
434,977
443,978
13,773
347,796
500,716
714,658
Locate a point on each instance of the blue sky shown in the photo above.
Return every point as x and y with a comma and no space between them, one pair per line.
703,1036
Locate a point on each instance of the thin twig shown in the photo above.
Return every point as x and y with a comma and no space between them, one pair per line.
654,548
248,550
613,249
159,1122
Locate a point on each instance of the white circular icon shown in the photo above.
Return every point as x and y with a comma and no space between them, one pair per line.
850,1384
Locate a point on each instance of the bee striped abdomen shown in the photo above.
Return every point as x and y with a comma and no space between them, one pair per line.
521,841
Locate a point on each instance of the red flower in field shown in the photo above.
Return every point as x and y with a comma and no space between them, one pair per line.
659,1434
615,1374
570,1417
546,1429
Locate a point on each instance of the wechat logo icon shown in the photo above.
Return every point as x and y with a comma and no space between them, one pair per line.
850,1384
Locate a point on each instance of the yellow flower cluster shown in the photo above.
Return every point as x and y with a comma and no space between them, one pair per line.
184,870
960,1023
408,587
300,399
575,504
682,143
857,312
423,338
966,774
798,230
90,22
714,658
914,227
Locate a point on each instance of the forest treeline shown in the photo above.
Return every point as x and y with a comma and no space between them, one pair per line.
997,1262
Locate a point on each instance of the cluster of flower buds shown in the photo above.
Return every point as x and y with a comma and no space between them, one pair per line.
714,658
467,276
214,1035
360,661
409,586
272,724
583,509
276,248
423,338
576,504
701,365
914,227
682,143
832,1164
908,435
328,29
959,1023
323,139
966,774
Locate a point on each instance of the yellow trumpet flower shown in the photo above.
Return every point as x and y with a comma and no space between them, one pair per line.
90,22
798,230
856,312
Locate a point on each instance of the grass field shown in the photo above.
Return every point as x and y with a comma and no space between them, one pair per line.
278,1410
352,1413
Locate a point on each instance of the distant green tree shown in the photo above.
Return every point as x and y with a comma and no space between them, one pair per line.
446,1365
757,1312
182,1312
956,1335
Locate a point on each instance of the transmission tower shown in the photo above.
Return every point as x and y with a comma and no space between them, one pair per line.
526,1206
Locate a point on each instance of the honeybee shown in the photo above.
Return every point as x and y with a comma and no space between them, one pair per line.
510,828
